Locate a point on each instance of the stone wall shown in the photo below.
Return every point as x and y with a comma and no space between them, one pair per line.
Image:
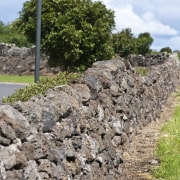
11,50
148,60
21,61
81,130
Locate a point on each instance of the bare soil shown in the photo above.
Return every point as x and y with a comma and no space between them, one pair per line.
140,159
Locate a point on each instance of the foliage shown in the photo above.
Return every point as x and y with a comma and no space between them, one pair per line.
166,49
143,71
168,150
10,35
178,55
144,41
74,33
26,93
124,43
154,51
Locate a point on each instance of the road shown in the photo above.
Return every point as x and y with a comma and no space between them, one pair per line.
7,89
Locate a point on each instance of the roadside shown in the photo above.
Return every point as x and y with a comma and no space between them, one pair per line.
16,83
140,159
7,89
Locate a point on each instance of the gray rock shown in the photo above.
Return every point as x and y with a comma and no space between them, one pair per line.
8,158
44,175
116,141
21,160
82,91
28,150
39,147
48,119
15,175
117,128
2,171
4,141
7,131
13,118
45,166
31,171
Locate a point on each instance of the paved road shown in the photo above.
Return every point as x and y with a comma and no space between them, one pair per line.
7,89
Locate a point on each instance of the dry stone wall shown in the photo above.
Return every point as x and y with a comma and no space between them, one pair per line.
21,61
81,130
148,60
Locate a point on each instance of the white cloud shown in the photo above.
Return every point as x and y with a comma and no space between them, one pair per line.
157,17
172,42
126,17
168,9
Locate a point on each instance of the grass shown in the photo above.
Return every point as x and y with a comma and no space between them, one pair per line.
168,150
143,71
17,79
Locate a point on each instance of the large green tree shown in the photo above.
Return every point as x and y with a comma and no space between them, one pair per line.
124,42
74,32
144,41
166,49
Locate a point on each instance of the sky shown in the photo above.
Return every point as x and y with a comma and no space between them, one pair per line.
158,17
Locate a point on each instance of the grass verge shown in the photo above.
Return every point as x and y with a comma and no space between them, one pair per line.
168,150
17,79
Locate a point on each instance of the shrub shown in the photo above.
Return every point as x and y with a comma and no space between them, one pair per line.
10,35
166,49
24,94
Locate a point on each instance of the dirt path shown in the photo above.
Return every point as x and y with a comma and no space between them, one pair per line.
140,160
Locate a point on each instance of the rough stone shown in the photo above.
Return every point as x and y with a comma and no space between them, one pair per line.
31,171
15,175
20,61
8,157
81,130
21,160
15,120
2,171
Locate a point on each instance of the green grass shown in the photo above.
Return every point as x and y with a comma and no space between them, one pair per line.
168,150
143,71
17,79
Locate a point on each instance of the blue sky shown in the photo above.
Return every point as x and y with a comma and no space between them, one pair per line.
9,10
158,17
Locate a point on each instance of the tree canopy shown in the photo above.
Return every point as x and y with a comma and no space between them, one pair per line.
166,49
73,32
126,43
9,35
144,42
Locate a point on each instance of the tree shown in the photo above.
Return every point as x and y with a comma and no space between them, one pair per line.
166,49
73,32
124,42
9,35
144,42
